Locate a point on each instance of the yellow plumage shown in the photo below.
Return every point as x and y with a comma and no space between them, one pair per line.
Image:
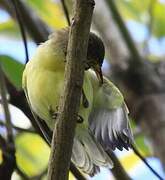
105,121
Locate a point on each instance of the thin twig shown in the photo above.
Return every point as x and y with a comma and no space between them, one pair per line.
124,31
39,31
3,92
149,25
146,163
65,11
19,128
22,30
21,173
2,144
118,171
8,153
39,177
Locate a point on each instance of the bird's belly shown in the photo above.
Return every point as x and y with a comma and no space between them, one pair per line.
45,93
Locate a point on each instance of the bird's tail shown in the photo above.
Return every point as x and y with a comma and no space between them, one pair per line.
87,154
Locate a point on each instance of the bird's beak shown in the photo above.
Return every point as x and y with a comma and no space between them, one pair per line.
98,71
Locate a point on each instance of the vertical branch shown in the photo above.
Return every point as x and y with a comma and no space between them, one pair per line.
69,105
5,108
22,30
38,30
8,153
149,25
124,31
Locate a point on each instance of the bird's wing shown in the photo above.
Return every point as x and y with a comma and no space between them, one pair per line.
47,133
109,117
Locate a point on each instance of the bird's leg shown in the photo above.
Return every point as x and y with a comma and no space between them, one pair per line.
84,100
79,119
54,114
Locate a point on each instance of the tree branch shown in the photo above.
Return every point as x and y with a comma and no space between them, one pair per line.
69,104
21,174
8,150
5,108
29,130
118,171
124,31
22,30
65,11
17,98
38,30
149,24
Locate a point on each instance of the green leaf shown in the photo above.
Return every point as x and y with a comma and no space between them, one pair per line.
13,70
49,11
143,145
159,20
32,153
135,9
139,10
9,28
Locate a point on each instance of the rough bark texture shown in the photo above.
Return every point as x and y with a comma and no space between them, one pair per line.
39,32
69,105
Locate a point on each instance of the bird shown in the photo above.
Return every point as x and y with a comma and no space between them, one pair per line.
104,124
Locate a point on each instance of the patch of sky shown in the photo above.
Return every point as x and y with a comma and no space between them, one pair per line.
142,172
162,1
138,31
4,16
156,46
139,170
15,48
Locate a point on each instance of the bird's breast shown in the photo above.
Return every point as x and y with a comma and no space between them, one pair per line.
44,89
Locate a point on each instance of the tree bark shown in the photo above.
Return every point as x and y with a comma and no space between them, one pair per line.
63,134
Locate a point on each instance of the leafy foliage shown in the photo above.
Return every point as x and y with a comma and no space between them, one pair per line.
13,70
143,11
32,153
50,12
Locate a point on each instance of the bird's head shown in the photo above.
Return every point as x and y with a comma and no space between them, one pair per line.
95,52
95,55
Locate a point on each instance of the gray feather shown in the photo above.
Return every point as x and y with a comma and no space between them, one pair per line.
88,155
111,127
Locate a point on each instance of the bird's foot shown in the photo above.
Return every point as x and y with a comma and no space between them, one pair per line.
79,119
55,115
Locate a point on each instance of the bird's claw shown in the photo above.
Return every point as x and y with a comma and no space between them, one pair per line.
79,119
55,115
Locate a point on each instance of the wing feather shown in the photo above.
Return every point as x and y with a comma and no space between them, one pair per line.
109,117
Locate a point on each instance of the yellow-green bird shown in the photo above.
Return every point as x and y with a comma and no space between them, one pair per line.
105,124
